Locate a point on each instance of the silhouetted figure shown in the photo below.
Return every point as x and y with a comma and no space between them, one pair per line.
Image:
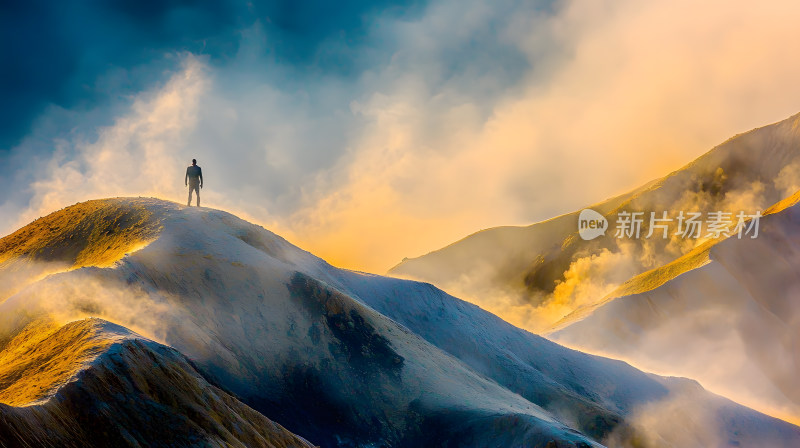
194,178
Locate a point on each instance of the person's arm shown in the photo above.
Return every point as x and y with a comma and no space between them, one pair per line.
186,178
200,172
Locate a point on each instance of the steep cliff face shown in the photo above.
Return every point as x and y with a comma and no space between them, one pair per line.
94,383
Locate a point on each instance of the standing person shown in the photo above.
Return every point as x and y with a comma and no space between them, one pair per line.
194,178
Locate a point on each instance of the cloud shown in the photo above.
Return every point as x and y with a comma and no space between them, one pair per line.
86,55
788,179
134,157
678,420
397,133
615,94
67,296
388,133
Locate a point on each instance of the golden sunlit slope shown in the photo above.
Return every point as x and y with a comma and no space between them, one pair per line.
654,278
92,233
43,356
643,282
93,383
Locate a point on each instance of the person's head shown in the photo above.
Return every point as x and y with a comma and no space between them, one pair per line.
194,162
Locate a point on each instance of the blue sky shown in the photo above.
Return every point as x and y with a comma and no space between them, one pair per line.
364,124
88,54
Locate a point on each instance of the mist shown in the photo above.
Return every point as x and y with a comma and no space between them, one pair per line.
479,115
87,292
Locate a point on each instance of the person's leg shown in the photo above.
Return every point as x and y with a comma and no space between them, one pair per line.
197,190
189,202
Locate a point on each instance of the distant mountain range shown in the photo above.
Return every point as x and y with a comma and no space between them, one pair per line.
722,310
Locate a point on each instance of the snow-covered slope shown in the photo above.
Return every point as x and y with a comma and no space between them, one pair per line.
348,359
588,391
732,322
94,383
538,274
247,308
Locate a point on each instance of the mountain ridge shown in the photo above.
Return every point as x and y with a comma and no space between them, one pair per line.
130,392
352,359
